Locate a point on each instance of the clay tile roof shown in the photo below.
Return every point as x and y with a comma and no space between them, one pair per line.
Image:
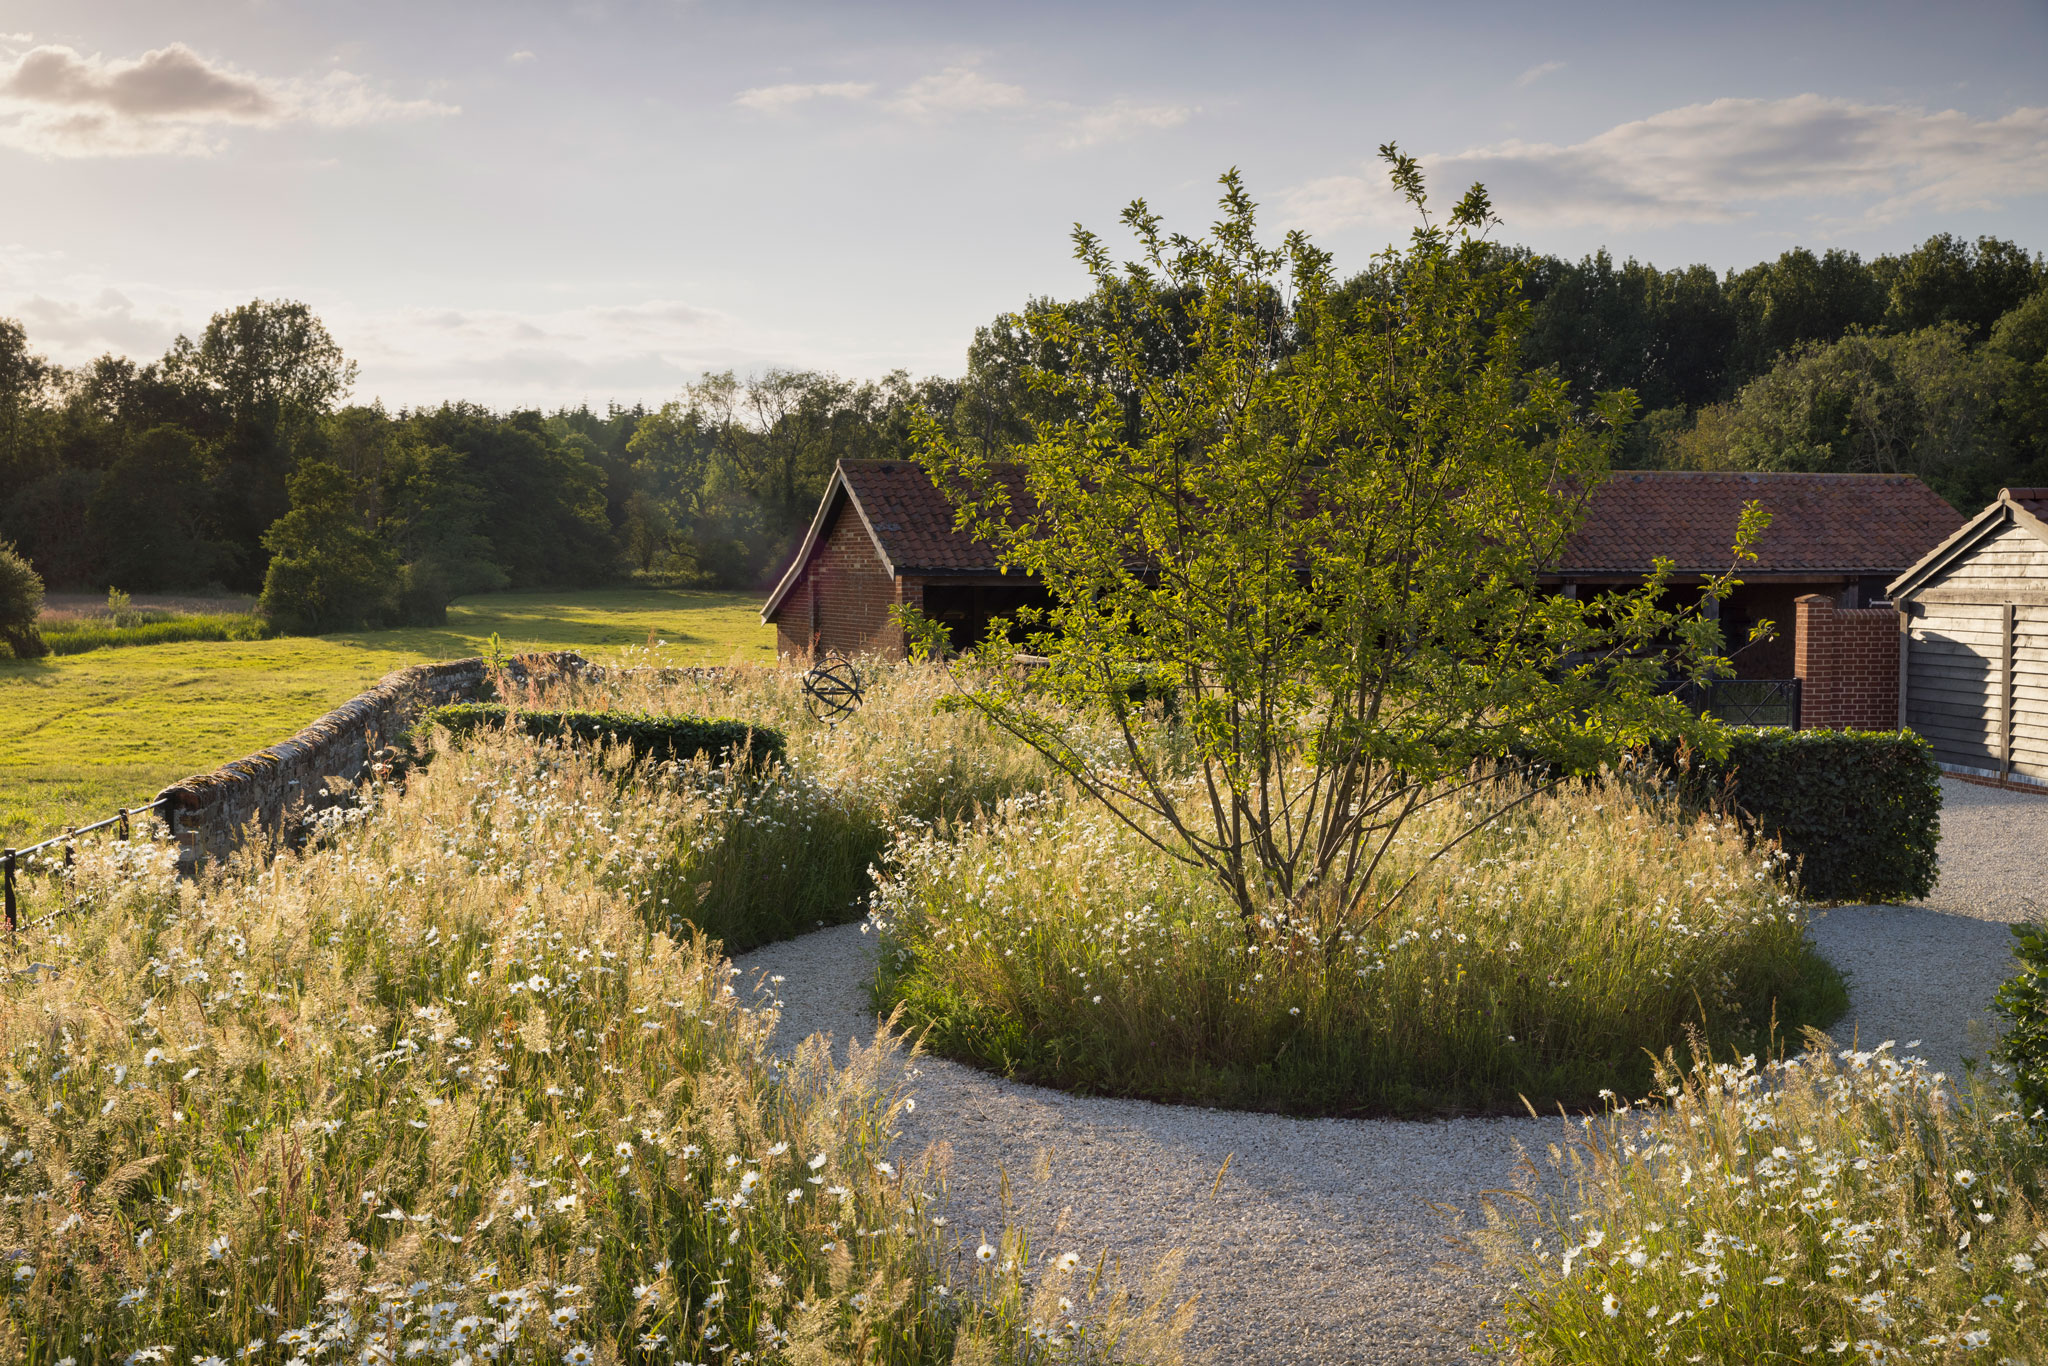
1837,523
913,519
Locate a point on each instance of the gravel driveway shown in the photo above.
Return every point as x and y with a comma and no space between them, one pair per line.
1324,1243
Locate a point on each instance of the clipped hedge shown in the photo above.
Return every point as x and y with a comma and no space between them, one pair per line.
1858,811
2023,1001
658,739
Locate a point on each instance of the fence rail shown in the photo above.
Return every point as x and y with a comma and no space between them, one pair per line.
10,859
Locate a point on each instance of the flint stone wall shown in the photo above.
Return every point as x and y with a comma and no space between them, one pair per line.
213,814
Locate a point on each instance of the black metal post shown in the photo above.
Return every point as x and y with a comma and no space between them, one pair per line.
7,877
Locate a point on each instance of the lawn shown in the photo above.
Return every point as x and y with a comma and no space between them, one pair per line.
83,734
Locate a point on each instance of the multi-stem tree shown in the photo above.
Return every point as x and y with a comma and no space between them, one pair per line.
1315,528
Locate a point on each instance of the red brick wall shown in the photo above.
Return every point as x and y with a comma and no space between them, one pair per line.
1849,663
853,596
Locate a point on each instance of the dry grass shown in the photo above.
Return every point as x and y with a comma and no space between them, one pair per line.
1539,959
435,1090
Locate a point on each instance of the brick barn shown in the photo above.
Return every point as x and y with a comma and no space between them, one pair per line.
884,536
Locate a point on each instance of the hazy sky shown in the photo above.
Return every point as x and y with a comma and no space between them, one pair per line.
538,203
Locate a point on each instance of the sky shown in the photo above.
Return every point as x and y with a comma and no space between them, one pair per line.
535,204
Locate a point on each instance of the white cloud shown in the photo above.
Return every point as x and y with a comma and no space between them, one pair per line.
775,99
1122,119
520,56
1714,162
56,102
956,90
510,357
959,91
1536,73
79,329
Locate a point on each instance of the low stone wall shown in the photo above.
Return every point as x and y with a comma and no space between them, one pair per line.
212,814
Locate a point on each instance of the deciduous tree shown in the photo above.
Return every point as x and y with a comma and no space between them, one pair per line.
1319,529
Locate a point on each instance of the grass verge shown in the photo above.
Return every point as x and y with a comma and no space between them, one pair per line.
1539,960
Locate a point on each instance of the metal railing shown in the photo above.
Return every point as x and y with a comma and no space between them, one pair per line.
11,859
1745,701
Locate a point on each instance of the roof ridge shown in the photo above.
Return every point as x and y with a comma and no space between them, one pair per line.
1754,475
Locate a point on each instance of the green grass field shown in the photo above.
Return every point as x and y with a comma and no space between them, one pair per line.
83,734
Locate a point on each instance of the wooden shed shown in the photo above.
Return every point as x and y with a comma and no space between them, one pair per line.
1973,643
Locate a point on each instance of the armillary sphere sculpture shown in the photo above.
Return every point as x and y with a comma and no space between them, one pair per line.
832,689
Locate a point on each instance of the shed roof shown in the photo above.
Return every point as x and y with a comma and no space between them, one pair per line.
2025,508
1820,523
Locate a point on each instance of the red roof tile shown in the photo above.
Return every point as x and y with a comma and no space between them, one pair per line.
1822,523
913,519
1836,523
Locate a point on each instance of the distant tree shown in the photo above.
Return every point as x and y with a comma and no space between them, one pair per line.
1925,403
1800,297
327,571
150,513
542,507
2022,337
262,375
21,602
1664,335
49,519
1949,280
23,379
649,534
433,512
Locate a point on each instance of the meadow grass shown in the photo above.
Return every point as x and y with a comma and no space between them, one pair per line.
1539,959
83,734
436,1090
794,847
75,637
1837,1206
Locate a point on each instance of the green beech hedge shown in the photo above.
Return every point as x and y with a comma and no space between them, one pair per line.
2023,1001
1858,811
657,739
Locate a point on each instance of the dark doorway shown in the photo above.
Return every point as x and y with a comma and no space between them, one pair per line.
966,609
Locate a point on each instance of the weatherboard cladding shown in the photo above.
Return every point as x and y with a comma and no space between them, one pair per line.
1976,621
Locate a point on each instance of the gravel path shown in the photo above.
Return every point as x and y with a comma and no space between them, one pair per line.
1324,1242
1928,971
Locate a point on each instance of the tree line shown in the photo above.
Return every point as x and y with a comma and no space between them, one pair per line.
235,460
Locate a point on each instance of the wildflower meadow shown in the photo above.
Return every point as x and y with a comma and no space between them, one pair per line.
444,1087
1840,1205
1535,963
